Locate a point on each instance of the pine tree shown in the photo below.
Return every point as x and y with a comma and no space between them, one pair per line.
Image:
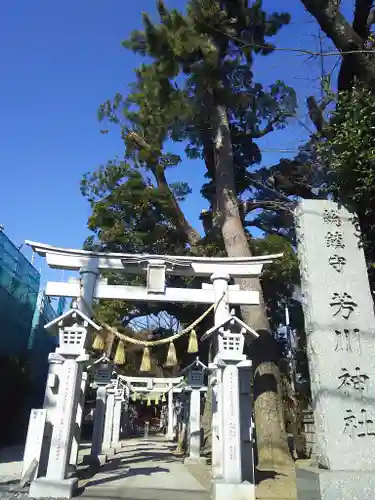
222,112
199,88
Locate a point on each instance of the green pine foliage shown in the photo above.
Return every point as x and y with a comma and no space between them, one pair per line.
348,153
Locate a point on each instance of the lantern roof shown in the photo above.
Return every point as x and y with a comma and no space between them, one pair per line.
194,365
103,359
181,385
70,317
231,321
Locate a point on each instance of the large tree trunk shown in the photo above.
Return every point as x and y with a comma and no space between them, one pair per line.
272,444
345,37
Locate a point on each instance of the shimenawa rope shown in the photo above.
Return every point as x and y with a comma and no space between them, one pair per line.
152,343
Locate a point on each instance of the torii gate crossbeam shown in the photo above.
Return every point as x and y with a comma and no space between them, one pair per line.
157,267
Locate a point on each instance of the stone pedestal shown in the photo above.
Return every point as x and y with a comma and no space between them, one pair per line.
125,426
246,424
78,421
117,421
195,429
222,490
50,404
98,430
231,458
215,440
62,429
174,419
231,485
170,431
321,484
56,483
108,421
44,487
124,416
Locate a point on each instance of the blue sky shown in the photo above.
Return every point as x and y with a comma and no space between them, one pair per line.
60,60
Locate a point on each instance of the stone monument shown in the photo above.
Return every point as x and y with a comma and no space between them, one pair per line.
340,332
34,440
229,360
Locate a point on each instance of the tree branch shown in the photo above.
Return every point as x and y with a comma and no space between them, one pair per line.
253,223
248,206
350,48
343,35
159,173
362,18
316,115
267,129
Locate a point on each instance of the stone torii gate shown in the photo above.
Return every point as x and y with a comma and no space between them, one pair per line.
91,286
159,386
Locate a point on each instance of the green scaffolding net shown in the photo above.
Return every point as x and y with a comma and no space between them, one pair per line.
19,286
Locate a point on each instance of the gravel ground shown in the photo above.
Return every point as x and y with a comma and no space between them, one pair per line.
10,490
14,492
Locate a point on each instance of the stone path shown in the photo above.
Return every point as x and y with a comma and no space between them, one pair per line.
144,469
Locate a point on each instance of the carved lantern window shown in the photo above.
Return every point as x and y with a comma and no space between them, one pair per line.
195,377
231,344
103,373
72,339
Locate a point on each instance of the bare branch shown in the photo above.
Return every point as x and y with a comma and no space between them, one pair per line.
267,129
347,40
248,206
329,53
269,189
316,115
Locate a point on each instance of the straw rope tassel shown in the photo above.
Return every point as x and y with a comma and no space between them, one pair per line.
98,344
163,398
148,402
120,355
193,342
146,360
171,356
156,401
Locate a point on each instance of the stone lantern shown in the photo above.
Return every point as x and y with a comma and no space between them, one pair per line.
230,338
75,331
102,371
195,375
232,454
